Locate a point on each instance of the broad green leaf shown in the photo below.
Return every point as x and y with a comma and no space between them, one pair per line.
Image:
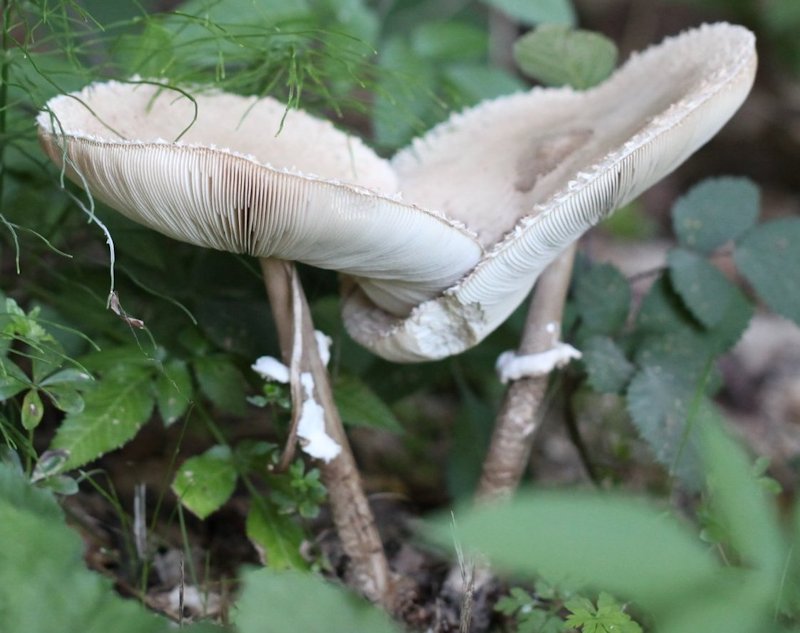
12,379
405,98
46,359
769,258
476,82
602,297
660,404
606,365
276,535
579,539
269,604
70,376
530,12
706,292
221,382
205,482
66,398
47,560
173,391
32,409
738,501
736,603
114,411
359,406
449,41
558,56
714,212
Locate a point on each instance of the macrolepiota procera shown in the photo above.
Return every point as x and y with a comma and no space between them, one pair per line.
438,246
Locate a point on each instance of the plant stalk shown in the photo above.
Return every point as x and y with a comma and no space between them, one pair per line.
520,416
352,515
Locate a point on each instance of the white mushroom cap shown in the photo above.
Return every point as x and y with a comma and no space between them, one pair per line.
489,198
530,173
250,176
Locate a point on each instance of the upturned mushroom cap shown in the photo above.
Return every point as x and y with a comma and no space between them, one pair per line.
530,173
489,198
250,176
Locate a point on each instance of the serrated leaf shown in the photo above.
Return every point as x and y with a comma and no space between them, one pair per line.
360,406
276,535
659,403
706,292
269,605
221,382
205,482
558,56
714,212
585,540
32,410
739,501
114,411
173,391
530,12
602,297
606,365
769,258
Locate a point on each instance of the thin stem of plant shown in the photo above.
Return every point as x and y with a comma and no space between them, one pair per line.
352,516
519,416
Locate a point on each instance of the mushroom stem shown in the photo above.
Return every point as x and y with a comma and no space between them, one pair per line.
352,516
518,419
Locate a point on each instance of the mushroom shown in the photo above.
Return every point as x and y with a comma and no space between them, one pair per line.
531,172
284,194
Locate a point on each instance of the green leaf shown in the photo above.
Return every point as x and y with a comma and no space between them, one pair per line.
602,297
769,258
575,538
173,391
66,398
32,409
704,289
714,212
530,12
221,382
609,615
476,82
115,410
205,482
359,406
606,365
71,376
449,41
269,604
739,501
659,403
47,560
558,56
276,535
12,379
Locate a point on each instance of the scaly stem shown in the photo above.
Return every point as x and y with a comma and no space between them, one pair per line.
519,416
352,516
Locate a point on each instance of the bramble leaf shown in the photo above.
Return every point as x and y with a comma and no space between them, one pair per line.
276,535
602,297
705,290
607,368
221,382
769,258
714,212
